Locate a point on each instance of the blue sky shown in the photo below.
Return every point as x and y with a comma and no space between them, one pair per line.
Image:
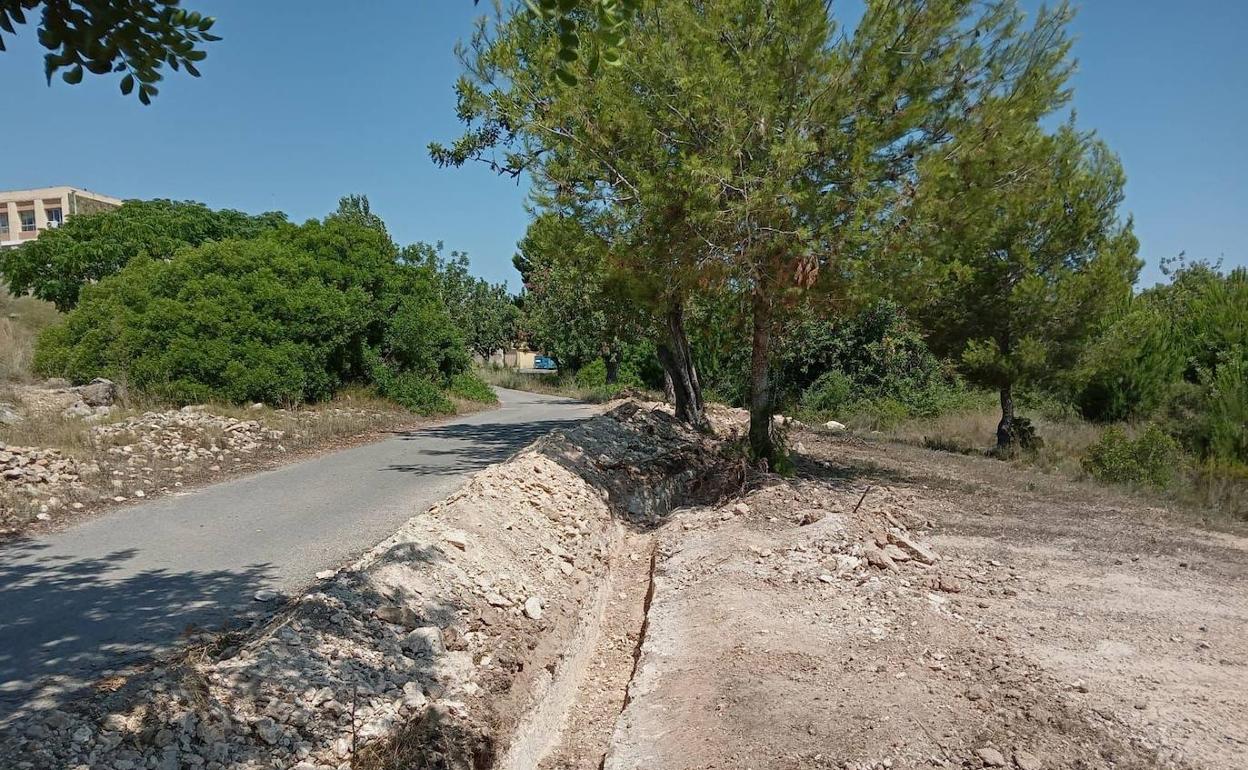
303,102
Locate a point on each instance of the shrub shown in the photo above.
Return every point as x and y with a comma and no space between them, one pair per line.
468,386
875,362
830,392
592,375
91,247
415,391
1152,458
288,316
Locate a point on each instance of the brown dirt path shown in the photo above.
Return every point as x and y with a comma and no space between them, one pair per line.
1065,626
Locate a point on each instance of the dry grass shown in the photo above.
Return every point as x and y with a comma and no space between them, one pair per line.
21,320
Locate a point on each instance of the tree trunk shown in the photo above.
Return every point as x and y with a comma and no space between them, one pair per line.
669,390
677,361
1005,428
761,444
613,367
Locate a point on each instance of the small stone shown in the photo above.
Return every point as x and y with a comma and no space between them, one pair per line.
457,539
326,574
268,730
1025,761
43,516
895,553
877,558
533,608
827,579
81,735
741,509
266,595
425,641
413,696
917,550
399,615
834,426
990,757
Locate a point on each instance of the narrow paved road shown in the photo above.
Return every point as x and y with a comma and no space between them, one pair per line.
120,587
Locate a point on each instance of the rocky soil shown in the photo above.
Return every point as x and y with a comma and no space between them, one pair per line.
625,594
96,454
451,644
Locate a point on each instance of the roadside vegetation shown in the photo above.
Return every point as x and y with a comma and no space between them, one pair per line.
914,238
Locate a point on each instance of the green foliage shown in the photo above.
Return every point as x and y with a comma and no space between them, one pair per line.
485,313
1177,353
469,386
574,309
290,315
135,37
90,247
873,363
1152,458
746,148
592,375
830,393
414,390
1030,260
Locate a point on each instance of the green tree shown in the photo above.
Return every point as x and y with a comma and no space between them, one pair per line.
288,316
742,146
574,308
132,38
90,247
485,312
1024,254
356,208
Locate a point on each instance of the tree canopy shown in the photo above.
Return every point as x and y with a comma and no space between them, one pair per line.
752,147
90,247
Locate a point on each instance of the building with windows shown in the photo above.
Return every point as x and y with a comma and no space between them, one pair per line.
26,213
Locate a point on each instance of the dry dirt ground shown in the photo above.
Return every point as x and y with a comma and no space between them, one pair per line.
627,595
1063,626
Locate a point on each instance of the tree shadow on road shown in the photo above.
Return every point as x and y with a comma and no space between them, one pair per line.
65,620
471,447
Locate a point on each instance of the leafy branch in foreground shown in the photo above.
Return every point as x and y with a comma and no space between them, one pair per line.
135,37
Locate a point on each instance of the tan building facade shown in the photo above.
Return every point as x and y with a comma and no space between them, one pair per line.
26,213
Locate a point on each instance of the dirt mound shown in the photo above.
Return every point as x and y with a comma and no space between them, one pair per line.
451,644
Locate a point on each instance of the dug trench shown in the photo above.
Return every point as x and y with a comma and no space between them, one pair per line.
627,594
465,640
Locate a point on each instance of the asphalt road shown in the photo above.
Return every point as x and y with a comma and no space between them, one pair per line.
115,589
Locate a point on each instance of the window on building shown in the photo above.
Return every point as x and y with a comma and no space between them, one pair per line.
28,221
55,218
4,224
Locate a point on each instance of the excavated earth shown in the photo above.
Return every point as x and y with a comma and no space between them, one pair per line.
627,594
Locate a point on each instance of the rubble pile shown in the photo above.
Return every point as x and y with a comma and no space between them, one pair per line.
188,435
33,469
459,623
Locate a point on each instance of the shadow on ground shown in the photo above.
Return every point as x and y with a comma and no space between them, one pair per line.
471,447
98,601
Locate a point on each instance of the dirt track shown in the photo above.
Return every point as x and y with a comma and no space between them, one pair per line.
1063,627
887,607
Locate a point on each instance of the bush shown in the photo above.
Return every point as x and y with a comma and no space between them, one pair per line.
592,375
470,387
415,391
829,393
874,363
291,315
91,247
1153,458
